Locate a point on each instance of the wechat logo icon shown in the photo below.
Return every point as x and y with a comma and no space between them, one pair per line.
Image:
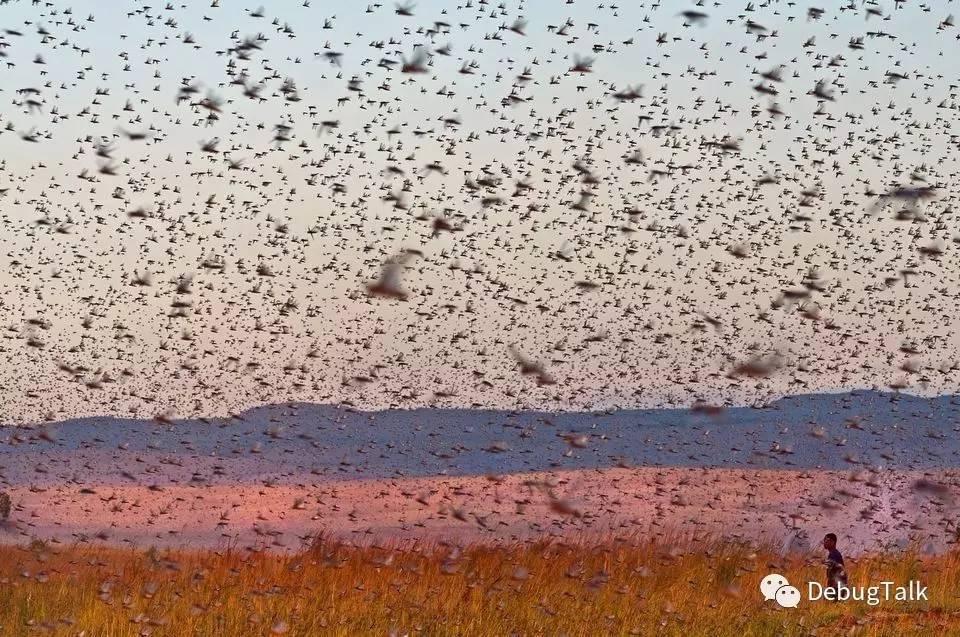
776,587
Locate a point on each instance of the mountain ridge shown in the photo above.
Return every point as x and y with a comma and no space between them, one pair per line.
847,430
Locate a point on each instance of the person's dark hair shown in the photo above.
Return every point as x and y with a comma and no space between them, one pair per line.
830,536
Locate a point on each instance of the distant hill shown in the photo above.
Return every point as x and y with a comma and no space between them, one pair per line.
289,441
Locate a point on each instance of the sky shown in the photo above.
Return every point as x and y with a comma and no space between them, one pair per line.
665,287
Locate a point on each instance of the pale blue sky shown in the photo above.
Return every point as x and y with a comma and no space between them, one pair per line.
702,83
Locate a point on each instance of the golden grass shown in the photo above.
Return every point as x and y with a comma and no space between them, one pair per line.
613,588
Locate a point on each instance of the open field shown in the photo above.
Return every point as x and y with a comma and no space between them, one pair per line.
617,587
870,510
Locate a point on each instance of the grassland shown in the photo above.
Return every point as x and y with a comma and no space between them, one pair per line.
330,588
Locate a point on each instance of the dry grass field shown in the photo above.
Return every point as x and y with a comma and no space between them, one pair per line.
610,588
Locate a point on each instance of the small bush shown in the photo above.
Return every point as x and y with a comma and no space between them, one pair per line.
4,506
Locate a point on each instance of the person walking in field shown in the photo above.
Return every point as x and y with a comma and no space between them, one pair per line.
836,574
